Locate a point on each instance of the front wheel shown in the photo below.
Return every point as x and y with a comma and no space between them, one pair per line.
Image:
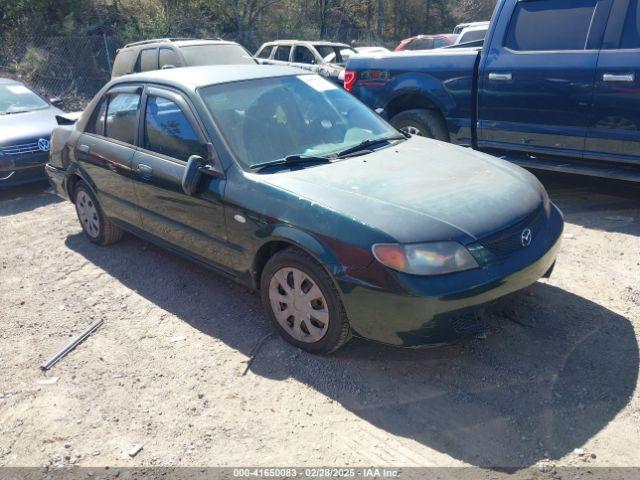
422,123
95,225
303,303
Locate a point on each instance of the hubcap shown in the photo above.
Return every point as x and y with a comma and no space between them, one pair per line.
299,305
411,130
88,214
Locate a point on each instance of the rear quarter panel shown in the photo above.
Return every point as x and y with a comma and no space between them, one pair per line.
445,79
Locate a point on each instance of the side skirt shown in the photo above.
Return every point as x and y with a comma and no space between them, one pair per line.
244,280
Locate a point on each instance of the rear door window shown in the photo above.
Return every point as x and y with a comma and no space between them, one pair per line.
167,131
550,25
148,60
123,63
631,32
282,53
168,57
122,117
303,55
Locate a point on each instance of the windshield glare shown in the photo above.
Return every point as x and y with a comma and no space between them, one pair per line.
199,55
16,98
270,119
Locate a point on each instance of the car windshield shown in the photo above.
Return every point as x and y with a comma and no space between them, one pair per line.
16,98
265,120
221,54
332,54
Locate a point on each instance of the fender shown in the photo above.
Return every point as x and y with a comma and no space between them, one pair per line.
307,242
303,240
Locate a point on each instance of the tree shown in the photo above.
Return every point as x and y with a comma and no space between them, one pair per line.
245,15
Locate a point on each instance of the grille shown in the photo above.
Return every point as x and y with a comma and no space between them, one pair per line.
23,149
509,241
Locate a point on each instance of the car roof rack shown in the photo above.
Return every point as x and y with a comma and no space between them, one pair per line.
166,40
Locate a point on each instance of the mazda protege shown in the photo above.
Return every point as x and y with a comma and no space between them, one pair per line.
285,182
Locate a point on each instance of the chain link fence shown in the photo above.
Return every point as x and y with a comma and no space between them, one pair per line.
72,68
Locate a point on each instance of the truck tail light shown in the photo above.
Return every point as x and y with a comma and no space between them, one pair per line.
350,79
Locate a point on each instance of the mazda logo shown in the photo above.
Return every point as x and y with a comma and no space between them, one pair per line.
43,144
526,237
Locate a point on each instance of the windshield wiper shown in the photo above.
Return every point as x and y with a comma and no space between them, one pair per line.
291,160
364,146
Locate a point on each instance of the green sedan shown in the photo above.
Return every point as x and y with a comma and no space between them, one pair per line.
286,183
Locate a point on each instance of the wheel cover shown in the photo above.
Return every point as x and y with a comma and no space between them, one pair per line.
411,130
299,305
88,214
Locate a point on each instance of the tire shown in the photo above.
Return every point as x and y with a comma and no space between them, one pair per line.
423,123
95,224
323,315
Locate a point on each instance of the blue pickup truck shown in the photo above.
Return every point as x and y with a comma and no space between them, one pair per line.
556,86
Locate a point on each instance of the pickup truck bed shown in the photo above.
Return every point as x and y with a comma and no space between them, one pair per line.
565,97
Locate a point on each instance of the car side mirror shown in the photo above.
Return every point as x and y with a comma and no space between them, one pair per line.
197,167
56,102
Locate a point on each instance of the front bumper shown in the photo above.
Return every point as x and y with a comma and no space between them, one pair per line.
21,169
13,177
58,180
428,310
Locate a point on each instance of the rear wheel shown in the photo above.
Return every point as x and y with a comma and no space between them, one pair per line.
95,225
422,123
303,303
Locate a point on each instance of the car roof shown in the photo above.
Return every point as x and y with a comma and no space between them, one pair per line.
178,42
193,78
310,42
474,29
431,36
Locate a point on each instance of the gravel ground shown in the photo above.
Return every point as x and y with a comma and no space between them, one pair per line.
555,381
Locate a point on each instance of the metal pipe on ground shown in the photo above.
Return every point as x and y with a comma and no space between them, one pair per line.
71,345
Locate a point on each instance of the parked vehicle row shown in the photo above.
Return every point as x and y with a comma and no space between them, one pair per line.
567,100
283,181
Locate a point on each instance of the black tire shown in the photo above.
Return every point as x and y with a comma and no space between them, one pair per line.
338,331
106,232
428,123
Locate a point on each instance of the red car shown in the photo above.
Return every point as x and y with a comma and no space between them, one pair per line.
426,42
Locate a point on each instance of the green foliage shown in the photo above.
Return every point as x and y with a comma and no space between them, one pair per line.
33,64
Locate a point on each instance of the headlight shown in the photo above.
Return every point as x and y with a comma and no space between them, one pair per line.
426,258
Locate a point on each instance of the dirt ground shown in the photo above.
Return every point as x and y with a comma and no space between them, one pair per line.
555,381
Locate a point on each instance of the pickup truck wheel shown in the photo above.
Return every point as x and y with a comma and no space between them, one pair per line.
423,123
95,225
302,302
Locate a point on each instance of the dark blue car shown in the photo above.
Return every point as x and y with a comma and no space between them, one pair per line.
555,86
26,122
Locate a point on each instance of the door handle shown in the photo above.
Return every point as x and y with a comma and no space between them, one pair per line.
145,171
501,77
616,77
84,149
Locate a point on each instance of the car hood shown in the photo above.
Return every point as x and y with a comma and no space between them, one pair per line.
420,190
27,126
